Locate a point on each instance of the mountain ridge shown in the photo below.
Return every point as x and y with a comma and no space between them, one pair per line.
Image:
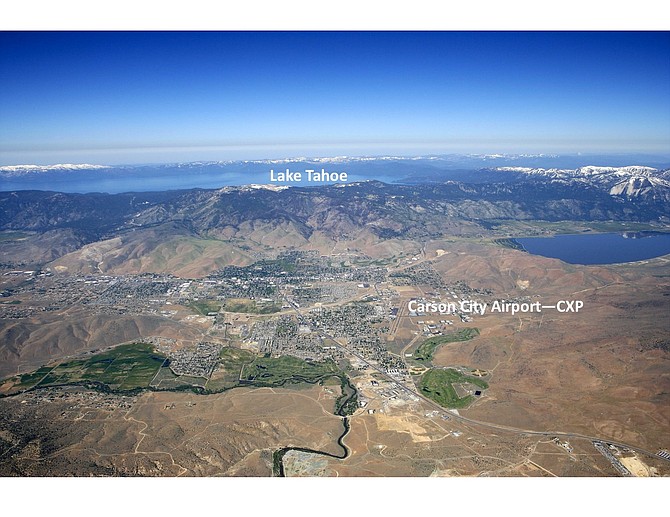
148,231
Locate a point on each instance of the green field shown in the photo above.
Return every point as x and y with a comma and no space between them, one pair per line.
123,368
437,384
235,357
227,374
247,306
425,350
241,305
381,262
204,307
165,379
28,380
277,371
137,366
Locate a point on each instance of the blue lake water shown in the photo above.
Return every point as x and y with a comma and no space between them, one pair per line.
111,183
604,248
167,177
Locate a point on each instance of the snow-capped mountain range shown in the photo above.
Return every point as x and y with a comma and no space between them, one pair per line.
587,172
626,182
633,181
9,171
638,186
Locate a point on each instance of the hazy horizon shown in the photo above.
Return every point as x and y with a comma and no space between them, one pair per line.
217,157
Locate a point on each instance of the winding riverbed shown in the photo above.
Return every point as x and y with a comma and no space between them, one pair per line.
348,393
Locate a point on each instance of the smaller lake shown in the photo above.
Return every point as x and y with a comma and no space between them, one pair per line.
603,248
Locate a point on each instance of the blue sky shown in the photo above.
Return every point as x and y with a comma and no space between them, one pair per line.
159,97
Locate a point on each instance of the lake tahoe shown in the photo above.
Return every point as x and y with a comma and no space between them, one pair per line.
605,248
